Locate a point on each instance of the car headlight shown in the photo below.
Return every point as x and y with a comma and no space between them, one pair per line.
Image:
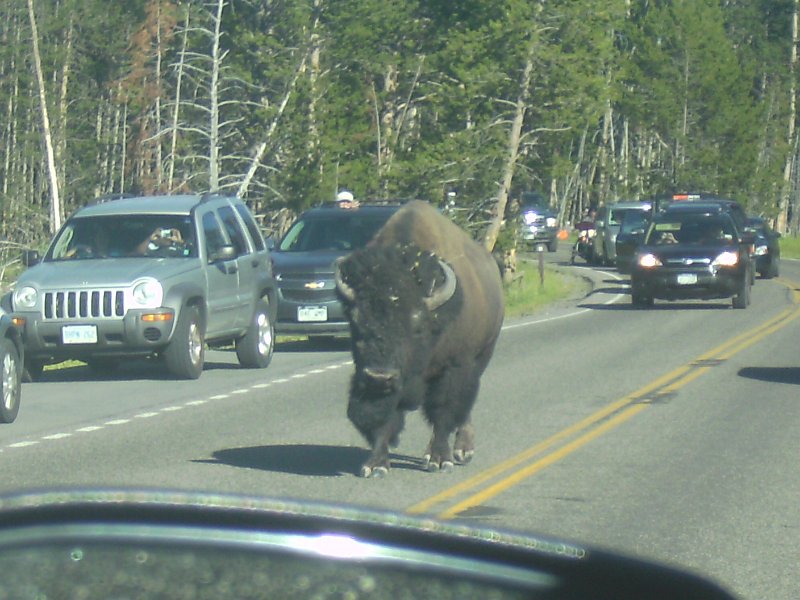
550,221
726,259
25,298
148,294
761,250
648,261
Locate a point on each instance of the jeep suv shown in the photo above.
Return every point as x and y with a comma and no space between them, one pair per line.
303,263
153,275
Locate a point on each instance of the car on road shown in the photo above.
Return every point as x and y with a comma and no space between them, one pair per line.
692,254
630,234
12,354
767,247
303,265
607,225
154,275
538,227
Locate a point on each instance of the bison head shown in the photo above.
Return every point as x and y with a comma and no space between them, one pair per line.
391,295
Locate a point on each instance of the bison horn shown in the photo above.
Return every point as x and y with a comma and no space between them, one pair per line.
444,292
383,381
345,290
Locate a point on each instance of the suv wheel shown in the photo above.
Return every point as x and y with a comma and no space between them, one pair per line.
10,381
186,352
254,349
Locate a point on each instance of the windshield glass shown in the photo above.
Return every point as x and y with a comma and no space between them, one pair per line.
633,220
690,229
122,236
337,231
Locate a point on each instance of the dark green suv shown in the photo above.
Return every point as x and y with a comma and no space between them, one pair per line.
151,275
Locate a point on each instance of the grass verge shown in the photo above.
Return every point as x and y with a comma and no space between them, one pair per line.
790,246
531,292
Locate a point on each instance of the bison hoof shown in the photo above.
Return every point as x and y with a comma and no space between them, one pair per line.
374,472
445,466
462,457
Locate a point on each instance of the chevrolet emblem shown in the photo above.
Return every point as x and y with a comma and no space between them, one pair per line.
314,285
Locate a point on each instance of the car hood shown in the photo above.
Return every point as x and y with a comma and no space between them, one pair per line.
108,272
318,262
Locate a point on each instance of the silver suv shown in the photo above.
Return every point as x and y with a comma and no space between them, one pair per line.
151,275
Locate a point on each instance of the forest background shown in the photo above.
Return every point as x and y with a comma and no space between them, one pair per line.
466,102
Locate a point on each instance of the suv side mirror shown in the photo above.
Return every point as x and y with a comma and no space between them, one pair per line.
222,254
30,257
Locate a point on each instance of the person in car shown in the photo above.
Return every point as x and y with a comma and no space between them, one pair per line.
345,199
160,237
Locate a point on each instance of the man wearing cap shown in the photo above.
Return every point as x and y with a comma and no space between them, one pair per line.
345,199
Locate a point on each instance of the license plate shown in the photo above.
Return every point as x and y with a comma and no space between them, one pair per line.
312,313
79,334
687,278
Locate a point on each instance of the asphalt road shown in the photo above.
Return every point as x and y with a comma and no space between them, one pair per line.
668,433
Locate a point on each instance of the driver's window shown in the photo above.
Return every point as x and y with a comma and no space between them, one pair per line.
234,230
214,237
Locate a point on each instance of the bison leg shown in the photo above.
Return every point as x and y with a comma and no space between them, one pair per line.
439,457
447,407
464,447
377,465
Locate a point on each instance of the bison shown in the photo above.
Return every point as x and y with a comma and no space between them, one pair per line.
425,306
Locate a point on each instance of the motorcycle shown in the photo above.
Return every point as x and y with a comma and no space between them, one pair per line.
583,245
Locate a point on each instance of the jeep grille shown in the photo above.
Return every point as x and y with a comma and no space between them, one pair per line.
84,304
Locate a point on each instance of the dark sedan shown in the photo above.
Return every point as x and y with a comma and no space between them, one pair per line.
767,247
692,255
303,265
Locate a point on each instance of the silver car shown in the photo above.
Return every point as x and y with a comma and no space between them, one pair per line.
607,223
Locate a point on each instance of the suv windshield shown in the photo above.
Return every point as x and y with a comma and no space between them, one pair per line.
125,236
339,230
691,228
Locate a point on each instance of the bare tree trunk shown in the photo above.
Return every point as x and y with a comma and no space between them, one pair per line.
159,147
783,203
55,200
214,133
63,105
262,147
512,154
177,109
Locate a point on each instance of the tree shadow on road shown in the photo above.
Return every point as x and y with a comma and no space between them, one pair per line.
305,459
772,374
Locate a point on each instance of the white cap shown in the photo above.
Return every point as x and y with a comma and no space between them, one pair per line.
344,196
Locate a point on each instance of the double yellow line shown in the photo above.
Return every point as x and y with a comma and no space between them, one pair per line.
495,480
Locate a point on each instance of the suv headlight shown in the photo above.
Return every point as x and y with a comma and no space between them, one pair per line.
147,294
25,298
726,259
648,261
550,221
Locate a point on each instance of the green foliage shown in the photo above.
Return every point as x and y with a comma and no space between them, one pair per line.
399,99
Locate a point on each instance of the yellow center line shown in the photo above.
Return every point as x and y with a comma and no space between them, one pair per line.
542,463
598,423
